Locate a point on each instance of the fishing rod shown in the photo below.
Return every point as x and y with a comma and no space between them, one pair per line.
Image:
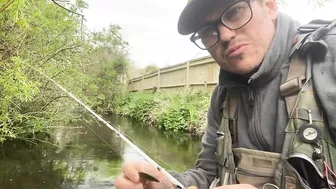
138,150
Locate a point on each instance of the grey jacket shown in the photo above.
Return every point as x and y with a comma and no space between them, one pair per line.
262,114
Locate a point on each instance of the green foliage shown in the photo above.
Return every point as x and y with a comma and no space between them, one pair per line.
42,35
137,106
185,112
111,66
149,69
15,89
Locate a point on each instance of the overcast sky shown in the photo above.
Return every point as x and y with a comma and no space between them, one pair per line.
150,26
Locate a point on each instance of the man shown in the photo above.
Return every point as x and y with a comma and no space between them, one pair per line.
251,42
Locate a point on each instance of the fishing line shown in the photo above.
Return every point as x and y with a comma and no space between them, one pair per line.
137,149
86,125
148,151
103,139
168,166
138,144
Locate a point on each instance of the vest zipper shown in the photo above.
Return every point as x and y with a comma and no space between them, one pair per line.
250,97
253,103
252,108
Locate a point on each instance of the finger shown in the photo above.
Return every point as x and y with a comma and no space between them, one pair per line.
131,171
152,170
122,182
164,182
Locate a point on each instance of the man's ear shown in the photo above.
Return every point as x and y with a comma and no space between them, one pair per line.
271,8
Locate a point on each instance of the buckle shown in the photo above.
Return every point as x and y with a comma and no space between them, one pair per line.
292,86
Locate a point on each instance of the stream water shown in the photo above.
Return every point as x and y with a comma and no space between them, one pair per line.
90,155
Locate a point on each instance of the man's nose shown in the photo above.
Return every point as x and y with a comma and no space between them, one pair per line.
225,33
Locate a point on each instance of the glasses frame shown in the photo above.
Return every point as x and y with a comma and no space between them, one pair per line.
220,21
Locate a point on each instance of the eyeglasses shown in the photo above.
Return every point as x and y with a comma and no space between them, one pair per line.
234,17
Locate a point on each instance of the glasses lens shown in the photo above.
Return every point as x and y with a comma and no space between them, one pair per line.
237,15
206,37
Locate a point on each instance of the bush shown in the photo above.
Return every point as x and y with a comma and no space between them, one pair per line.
182,112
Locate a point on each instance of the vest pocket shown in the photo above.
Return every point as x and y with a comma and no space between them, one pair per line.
255,178
305,173
292,176
255,167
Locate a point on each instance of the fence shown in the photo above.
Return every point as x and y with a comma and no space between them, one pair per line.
199,74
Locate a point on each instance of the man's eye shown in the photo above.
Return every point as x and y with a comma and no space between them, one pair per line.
233,13
208,33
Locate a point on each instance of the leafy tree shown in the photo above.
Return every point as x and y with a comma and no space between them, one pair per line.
151,68
42,35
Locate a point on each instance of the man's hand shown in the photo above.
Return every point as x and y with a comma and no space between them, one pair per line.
237,186
131,179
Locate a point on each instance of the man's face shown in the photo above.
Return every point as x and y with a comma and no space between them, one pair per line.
241,51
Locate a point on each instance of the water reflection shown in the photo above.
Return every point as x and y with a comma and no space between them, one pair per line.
90,156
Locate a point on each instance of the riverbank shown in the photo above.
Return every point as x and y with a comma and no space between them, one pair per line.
179,112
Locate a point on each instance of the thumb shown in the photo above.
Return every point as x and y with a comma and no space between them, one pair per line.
131,169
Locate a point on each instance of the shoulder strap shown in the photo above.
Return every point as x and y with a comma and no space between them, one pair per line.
297,67
229,111
296,73
295,79
226,136
233,107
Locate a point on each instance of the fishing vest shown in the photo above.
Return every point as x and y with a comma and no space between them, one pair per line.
308,157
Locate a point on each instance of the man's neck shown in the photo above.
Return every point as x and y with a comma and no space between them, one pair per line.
248,75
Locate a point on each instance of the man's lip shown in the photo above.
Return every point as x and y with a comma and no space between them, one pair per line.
233,48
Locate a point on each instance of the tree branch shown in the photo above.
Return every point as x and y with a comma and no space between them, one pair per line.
6,5
67,9
57,52
58,97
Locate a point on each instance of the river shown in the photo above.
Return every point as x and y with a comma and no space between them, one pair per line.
90,155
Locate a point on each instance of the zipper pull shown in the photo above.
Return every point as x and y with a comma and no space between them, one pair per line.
250,97
250,91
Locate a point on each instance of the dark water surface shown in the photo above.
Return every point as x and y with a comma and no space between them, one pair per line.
83,160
